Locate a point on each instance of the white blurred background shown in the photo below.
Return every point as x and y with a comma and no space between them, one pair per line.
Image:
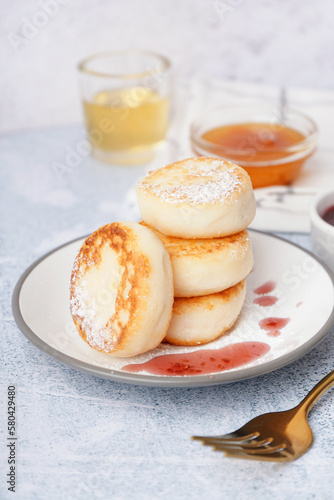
287,43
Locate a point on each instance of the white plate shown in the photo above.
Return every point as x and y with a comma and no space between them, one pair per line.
304,288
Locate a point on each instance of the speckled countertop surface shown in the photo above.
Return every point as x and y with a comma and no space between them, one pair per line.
83,437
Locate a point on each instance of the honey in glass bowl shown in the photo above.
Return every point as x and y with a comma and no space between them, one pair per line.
271,144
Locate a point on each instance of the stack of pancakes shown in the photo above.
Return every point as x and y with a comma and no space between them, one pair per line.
177,276
200,208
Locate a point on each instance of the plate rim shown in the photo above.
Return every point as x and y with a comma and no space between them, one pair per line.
224,377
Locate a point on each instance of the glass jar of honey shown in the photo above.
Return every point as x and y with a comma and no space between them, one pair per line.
270,142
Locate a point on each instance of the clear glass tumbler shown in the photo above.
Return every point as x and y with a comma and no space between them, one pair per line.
126,100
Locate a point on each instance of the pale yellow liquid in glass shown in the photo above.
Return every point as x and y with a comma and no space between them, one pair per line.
130,120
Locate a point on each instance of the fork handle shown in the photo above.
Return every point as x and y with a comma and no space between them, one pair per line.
316,393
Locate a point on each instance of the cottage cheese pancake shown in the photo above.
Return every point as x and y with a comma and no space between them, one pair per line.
204,266
199,320
121,290
197,198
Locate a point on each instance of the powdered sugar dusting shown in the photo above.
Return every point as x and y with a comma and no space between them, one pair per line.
204,182
92,301
88,315
96,333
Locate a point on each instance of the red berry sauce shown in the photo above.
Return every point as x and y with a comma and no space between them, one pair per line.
202,361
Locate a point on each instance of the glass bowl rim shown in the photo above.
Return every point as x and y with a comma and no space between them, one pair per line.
264,105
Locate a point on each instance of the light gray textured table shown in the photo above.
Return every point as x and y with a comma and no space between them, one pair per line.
82,437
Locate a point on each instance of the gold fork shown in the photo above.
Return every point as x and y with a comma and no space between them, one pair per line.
281,436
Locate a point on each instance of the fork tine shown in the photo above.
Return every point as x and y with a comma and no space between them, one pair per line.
279,456
233,437
252,444
261,450
252,450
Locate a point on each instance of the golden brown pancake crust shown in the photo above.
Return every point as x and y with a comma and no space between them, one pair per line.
183,305
181,247
136,269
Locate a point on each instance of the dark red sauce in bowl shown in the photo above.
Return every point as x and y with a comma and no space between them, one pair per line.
328,216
